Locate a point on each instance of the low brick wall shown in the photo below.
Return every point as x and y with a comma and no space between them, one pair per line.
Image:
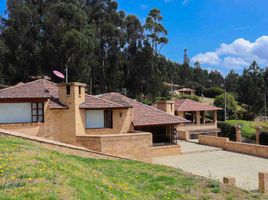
183,135
245,148
59,146
213,141
166,150
137,146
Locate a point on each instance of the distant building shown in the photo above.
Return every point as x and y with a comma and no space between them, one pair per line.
187,91
203,117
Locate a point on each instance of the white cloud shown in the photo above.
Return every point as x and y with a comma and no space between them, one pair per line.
210,58
234,63
236,55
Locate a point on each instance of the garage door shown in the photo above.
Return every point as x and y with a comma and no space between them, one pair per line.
15,112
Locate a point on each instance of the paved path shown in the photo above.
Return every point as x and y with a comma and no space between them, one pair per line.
217,164
190,147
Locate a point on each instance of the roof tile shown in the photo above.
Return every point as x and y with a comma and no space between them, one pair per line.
144,115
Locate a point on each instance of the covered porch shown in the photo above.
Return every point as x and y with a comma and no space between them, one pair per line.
201,123
162,134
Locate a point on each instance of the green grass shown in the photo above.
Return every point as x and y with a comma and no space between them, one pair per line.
248,127
29,171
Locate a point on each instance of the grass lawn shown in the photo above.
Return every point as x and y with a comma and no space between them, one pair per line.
248,127
29,171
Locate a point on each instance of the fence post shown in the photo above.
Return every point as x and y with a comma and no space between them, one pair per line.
238,133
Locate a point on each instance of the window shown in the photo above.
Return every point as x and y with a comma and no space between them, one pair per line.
15,113
108,119
79,90
99,119
68,89
21,112
37,112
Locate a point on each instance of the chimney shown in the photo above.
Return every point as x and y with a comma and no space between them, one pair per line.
72,119
167,106
72,94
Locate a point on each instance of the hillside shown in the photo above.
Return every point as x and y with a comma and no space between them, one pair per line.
29,171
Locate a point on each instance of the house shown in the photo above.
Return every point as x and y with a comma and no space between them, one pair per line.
179,90
203,117
185,91
110,123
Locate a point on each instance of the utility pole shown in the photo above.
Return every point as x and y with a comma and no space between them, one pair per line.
265,111
225,107
66,74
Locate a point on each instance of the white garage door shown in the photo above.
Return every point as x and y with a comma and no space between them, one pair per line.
95,119
15,112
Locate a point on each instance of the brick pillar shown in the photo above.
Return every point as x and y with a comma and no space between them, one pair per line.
228,180
258,129
238,133
263,182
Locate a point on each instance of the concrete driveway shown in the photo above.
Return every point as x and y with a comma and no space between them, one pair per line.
217,163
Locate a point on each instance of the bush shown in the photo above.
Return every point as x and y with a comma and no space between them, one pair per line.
227,130
264,138
231,106
213,92
186,96
147,102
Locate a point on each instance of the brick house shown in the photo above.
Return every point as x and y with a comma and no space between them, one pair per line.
110,123
202,117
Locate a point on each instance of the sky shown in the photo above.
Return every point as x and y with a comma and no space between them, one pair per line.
220,34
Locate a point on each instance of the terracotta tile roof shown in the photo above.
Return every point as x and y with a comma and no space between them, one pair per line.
184,105
40,88
93,102
144,115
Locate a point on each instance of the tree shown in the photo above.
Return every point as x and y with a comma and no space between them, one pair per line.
251,88
156,31
232,82
231,106
216,79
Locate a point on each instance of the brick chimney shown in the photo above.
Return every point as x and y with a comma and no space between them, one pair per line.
71,95
167,106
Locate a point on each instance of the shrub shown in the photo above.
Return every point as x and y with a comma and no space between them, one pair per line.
264,138
231,106
186,96
227,130
147,102
213,92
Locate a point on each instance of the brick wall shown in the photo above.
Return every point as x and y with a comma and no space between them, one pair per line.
166,150
239,147
213,141
59,146
136,146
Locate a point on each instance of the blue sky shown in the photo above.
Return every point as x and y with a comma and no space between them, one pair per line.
221,34
202,26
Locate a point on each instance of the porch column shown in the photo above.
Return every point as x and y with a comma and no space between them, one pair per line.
215,113
258,129
197,117
204,117
238,133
